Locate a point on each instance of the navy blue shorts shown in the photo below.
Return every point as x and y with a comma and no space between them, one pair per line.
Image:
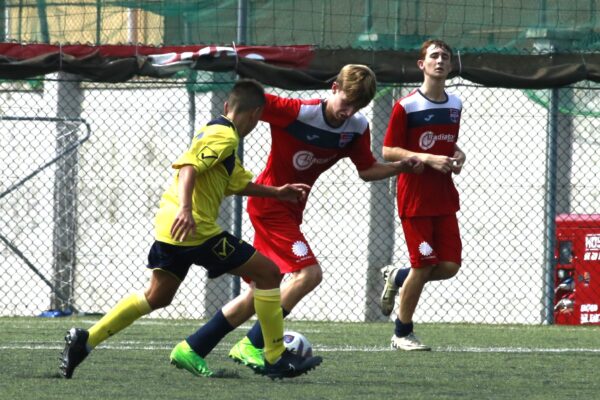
219,254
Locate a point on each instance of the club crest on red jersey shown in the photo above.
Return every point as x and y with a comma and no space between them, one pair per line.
454,115
345,138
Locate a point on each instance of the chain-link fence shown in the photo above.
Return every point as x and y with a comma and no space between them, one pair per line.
84,165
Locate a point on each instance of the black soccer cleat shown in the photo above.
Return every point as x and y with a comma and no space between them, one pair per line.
75,351
291,365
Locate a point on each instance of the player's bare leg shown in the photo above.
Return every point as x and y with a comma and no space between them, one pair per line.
404,337
240,309
411,292
301,283
162,289
444,270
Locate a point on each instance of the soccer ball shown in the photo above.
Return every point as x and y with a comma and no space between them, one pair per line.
297,343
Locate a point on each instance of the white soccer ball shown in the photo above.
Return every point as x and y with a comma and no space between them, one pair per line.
297,343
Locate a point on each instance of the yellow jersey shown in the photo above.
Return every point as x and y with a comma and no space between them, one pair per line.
219,173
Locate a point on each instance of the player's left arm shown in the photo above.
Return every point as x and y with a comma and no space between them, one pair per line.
459,159
241,184
294,192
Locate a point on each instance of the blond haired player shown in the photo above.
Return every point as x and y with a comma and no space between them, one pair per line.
308,138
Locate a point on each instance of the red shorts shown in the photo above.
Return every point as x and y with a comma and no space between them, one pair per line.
280,240
432,239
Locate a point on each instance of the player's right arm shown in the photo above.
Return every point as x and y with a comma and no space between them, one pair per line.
184,223
206,151
280,111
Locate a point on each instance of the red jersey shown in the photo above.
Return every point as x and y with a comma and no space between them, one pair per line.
303,146
420,125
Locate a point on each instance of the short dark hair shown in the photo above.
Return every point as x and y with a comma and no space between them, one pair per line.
246,95
437,43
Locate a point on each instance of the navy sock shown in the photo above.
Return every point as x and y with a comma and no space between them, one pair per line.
210,334
255,333
403,329
401,276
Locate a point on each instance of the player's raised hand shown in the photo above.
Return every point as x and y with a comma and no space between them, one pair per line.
294,192
183,225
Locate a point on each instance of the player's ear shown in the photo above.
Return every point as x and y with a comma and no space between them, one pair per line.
225,108
420,64
335,87
257,112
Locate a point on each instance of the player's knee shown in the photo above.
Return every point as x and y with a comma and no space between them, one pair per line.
454,270
309,278
156,301
273,277
451,269
316,278
424,273
268,277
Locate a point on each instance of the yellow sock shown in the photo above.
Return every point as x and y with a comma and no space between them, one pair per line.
120,317
267,304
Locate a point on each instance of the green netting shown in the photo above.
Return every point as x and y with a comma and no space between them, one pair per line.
577,100
491,26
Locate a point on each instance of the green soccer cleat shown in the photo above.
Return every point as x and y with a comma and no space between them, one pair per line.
244,352
184,357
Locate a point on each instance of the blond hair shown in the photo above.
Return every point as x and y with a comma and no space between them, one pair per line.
359,84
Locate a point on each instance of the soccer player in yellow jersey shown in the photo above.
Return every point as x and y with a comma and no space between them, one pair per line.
187,233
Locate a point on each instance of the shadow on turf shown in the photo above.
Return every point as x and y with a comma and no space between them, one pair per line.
219,374
225,374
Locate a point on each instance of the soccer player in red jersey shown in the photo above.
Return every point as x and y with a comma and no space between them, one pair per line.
425,124
308,138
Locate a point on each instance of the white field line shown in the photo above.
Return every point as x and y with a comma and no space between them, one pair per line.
148,345
89,322
83,322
